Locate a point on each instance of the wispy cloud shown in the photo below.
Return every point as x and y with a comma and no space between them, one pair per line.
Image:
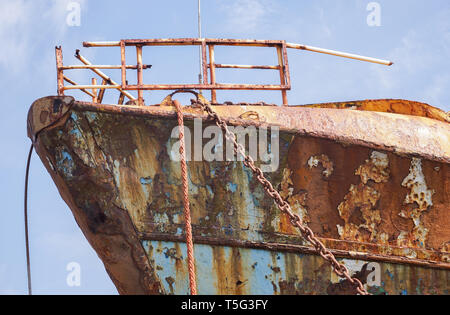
324,28
25,23
246,16
15,16
418,60
437,89
411,57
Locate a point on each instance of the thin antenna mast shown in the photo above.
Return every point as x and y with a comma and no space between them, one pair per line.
199,22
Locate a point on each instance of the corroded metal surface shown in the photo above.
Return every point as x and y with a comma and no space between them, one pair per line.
233,270
107,227
402,134
374,186
390,106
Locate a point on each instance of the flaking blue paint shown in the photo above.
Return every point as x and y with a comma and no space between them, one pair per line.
146,180
210,191
65,163
232,187
390,274
91,116
257,268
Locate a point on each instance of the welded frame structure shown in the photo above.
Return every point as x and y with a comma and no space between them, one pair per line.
209,82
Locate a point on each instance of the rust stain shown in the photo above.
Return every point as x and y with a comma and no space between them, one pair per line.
390,106
127,189
297,199
445,250
293,268
219,263
274,272
170,281
236,265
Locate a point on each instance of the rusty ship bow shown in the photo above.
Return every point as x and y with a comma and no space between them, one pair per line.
370,178
374,186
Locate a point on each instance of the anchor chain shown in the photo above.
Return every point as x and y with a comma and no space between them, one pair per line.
338,268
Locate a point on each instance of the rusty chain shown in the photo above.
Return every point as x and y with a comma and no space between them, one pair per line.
338,268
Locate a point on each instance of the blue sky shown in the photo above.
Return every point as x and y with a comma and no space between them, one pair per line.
414,34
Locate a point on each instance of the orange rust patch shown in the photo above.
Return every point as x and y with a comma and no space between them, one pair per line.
363,198
297,200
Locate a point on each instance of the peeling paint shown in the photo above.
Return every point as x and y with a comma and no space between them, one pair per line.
420,199
327,164
64,162
121,170
376,168
258,272
415,181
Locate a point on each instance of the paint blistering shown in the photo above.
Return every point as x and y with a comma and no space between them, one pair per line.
417,201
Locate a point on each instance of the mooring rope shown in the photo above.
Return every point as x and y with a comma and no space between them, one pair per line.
187,210
25,211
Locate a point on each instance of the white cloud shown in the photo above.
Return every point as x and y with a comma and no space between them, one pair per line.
25,23
246,16
438,89
413,55
14,18
410,58
323,23
415,58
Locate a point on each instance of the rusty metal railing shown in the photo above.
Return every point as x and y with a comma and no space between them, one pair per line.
97,91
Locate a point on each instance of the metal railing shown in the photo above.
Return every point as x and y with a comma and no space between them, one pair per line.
97,91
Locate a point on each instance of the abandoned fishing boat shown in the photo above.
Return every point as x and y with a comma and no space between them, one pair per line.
370,178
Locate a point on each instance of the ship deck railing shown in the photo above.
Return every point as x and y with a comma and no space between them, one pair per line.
208,67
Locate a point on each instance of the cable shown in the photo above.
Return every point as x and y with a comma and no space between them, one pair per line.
25,210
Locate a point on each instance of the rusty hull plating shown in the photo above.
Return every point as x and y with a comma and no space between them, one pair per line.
373,185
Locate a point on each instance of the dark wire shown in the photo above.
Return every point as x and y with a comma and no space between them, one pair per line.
27,243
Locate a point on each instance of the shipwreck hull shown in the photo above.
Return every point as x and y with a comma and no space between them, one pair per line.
374,187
